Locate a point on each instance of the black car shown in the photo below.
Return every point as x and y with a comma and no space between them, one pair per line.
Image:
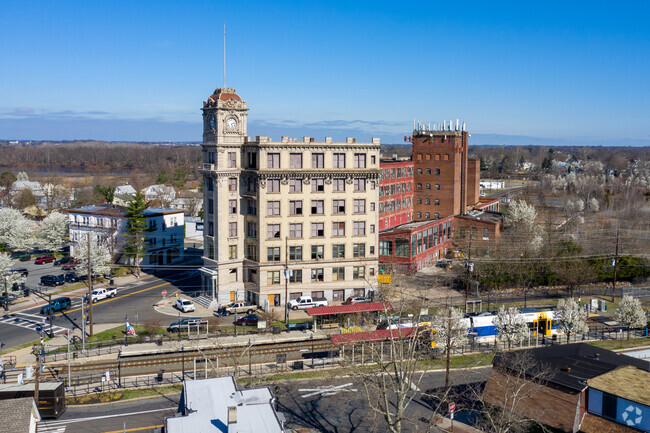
182,324
63,260
52,280
250,319
71,277
22,271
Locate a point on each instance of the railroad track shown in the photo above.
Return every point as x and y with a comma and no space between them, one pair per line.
137,365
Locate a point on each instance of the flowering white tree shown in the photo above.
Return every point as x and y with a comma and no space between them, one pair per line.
98,259
50,236
510,325
630,314
10,278
451,331
570,318
520,213
16,231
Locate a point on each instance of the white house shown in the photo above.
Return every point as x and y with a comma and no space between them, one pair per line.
106,224
164,193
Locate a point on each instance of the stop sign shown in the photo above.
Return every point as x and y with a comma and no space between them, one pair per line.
164,292
452,406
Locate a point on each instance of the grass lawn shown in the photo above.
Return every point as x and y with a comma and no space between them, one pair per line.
622,344
127,394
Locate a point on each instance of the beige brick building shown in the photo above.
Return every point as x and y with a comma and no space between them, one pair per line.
302,206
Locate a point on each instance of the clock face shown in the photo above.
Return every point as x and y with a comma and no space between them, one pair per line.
211,121
231,123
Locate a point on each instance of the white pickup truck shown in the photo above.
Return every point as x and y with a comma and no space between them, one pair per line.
307,302
100,294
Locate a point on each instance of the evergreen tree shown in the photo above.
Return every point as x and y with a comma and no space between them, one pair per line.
136,225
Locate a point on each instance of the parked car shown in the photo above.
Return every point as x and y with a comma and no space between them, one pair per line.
63,260
248,320
306,302
58,304
69,266
22,271
356,300
239,307
184,305
52,280
71,277
182,324
25,257
44,259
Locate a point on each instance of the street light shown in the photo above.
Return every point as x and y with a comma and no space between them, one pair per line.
119,369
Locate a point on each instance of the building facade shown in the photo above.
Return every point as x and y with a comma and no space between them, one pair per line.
285,218
106,224
395,193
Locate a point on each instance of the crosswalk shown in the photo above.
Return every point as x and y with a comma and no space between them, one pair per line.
34,322
43,427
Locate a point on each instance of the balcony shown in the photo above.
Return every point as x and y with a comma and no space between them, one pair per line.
208,167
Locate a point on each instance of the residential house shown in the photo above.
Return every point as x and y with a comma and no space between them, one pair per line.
160,194
19,415
123,195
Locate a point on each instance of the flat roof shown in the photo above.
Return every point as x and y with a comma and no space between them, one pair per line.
366,337
484,216
628,382
348,309
416,225
571,365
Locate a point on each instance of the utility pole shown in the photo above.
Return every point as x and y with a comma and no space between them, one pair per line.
49,313
286,281
90,288
448,348
615,267
38,349
469,264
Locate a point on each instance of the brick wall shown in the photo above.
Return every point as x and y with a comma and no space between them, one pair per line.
473,179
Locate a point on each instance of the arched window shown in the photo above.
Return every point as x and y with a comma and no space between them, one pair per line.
427,215
437,186
436,202
446,157
428,171
419,214
419,171
436,215
428,186
419,201
437,171
437,157
428,156
427,201
419,157
419,186
486,234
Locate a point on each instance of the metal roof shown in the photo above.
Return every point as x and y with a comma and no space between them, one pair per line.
366,337
348,309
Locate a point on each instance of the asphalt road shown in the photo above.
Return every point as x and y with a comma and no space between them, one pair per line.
329,405
135,301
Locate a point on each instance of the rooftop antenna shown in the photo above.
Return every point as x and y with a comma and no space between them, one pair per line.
224,55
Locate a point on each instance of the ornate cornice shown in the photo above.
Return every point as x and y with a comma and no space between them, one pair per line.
312,147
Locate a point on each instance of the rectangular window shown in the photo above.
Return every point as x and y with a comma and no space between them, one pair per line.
339,160
338,274
295,276
232,229
272,160
295,207
272,231
359,205
358,228
232,206
338,229
210,205
272,277
232,160
251,252
232,184
338,207
358,272
338,185
317,230
373,160
273,185
338,251
295,160
401,247
372,228
252,160
317,252
359,160
295,185
232,252
295,253
385,248
317,185
273,254
359,184
358,250
317,207
317,274
252,185
251,207
251,230
295,230
317,160
272,208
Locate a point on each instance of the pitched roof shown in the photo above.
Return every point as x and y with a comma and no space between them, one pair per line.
348,309
572,365
17,414
628,382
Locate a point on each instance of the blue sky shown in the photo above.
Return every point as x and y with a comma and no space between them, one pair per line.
573,72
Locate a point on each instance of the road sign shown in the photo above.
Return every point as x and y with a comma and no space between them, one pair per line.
164,292
452,407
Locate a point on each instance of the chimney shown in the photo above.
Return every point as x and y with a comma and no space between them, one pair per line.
232,415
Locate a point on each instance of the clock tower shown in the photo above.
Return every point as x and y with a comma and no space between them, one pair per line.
224,133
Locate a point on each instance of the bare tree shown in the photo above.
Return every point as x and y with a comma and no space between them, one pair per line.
507,402
450,332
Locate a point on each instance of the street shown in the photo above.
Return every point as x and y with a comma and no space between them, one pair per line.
134,301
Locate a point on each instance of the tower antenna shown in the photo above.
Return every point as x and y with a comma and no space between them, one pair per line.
224,55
